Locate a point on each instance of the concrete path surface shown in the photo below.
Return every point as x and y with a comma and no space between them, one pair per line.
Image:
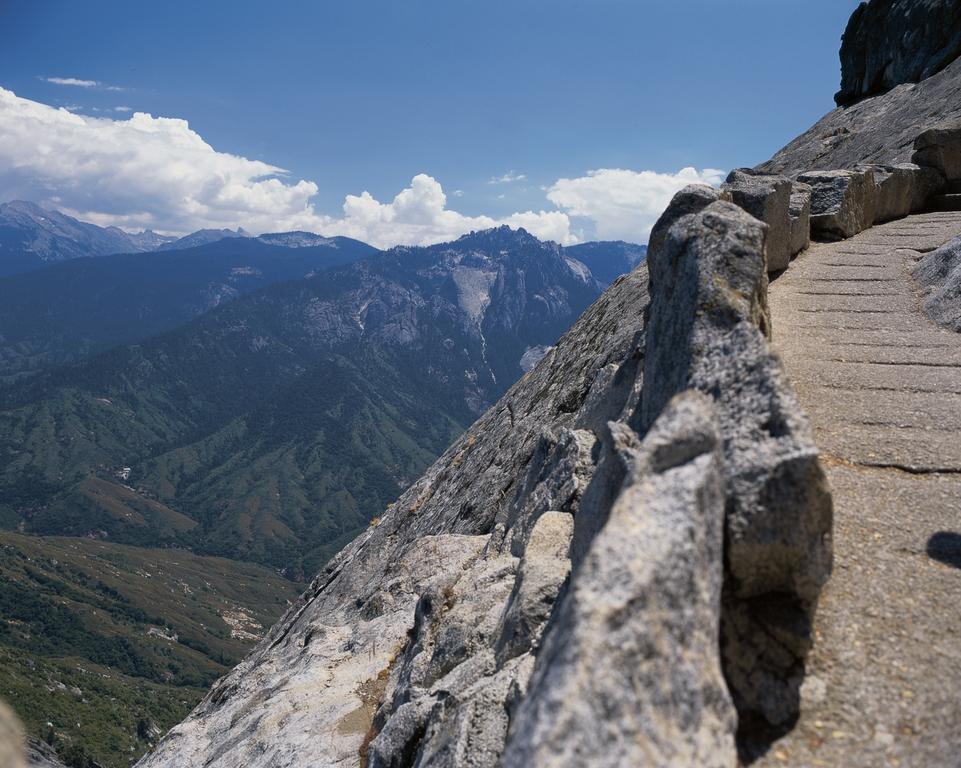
882,385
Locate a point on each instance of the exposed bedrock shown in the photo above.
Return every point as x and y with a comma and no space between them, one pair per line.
880,129
939,272
363,639
708,319
629,673
890,42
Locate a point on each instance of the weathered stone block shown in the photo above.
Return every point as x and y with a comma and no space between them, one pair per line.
691,199
903,189
629,672
707,312
843,203
940,147
767,198
800,213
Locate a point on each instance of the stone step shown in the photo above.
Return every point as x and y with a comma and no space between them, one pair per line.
949,202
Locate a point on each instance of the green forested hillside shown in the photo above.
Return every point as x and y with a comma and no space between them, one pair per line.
103,646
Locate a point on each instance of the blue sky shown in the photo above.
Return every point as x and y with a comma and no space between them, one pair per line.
363,96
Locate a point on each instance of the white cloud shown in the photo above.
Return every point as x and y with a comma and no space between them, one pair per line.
623,204
78,83
458,193
419,215
73,81
122,109
156,172
508,178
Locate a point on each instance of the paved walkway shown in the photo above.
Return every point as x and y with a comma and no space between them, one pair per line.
882,385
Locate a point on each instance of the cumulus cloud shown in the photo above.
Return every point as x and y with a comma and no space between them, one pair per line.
140,171
419,215
508,178
143,171
624,204
156,172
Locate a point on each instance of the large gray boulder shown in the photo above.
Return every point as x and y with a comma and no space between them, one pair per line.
940,147
629,674
939,272
708,318
890,42
768,198
903,189
843,203
691,199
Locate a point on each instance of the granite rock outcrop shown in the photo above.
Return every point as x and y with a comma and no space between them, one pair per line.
939,273
890,42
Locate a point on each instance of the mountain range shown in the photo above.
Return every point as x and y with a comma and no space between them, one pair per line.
164,402
274,426
85,305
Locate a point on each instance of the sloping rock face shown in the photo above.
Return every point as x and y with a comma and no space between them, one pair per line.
890,42
879,130
380,626
939,272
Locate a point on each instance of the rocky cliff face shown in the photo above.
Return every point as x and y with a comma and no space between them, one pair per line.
584,511
890,42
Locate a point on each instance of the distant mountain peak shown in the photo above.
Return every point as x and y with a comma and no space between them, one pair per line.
297,239
502,237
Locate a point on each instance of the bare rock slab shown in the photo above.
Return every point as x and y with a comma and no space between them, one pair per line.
629,673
